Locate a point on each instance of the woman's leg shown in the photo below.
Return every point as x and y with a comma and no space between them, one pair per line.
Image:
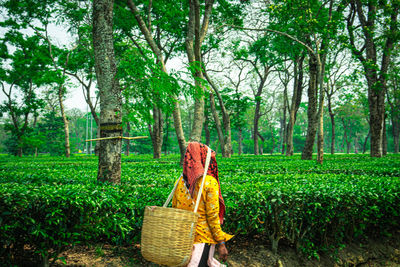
200,255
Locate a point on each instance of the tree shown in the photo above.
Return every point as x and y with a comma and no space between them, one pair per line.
315,23
196,33
351,114
393,99
158,50
37,16
298,73
22,72
110,93
225,138
235,101
370,38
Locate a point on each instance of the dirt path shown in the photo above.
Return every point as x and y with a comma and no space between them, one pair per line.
252,253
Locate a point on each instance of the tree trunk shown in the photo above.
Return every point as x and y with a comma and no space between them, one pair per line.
273,139
346,136
312,109
227,133
217,124
396,134
384,138
376,77
156,132
65,120
356,145
296,100
206,130
240,151
365,142
255,129
376,100
110,94
166,137
262,144
348,142
179,130
194,39
283,123
332,115
320,142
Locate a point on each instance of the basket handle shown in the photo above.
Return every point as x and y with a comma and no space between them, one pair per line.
201,187
172,192
204,178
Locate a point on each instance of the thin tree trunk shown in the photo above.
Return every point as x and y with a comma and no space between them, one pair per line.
240,151
217,124
296,100
356,145
255,130
365,142
346,136
65,120
19,152
156,132
257,111
320,142
396,134
262,144
206,130
227,136
283,131
166,140
110,92
332,115
384,138
273,139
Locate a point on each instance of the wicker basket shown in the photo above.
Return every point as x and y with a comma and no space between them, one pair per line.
168,233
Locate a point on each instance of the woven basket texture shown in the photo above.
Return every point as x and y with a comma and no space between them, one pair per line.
168,235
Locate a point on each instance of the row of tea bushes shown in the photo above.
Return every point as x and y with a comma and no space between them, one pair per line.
52,203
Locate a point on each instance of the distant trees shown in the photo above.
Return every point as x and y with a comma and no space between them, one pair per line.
254,62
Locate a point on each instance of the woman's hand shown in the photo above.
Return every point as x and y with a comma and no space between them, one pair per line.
222,252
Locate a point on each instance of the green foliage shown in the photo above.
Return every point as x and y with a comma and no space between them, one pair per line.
52,128
53,202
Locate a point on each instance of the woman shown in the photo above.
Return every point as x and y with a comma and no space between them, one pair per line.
211,207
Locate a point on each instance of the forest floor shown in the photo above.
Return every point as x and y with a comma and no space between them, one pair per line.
253,253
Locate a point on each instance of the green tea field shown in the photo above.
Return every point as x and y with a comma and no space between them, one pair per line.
49,205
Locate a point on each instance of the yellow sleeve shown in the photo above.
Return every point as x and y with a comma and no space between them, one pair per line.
212,210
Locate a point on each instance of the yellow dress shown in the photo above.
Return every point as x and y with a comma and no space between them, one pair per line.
208,228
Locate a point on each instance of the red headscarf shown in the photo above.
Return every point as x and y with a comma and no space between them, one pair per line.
193,169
